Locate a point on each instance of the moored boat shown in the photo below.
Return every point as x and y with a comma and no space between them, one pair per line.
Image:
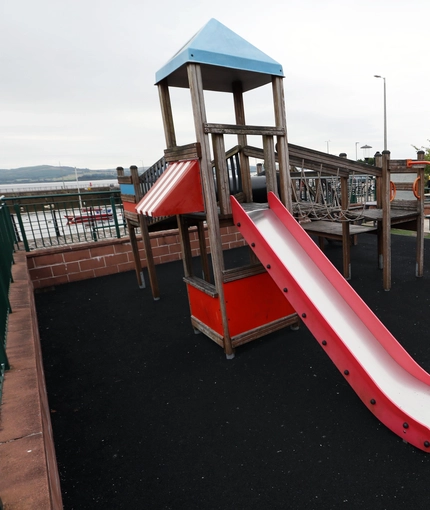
90,214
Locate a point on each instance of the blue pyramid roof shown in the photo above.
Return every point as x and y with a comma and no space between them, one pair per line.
224,57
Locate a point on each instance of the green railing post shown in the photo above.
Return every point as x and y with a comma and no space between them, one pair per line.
115,217
6,262
21,226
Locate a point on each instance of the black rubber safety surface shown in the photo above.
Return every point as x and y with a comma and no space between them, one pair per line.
148,415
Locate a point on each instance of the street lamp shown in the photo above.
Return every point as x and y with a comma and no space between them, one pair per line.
366,151
328,149
385,110
356,143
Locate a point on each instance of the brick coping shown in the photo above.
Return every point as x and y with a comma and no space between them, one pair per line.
29,474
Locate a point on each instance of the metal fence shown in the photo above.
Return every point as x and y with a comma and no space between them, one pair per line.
43,221
7,246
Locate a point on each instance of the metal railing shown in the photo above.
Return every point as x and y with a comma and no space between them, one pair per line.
7,248
327,189
44,221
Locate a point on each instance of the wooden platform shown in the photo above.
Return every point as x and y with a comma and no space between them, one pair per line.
339,231
333,229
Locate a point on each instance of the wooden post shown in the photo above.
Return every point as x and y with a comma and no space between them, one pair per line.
282,143
136,256
419,271
386,221
222,180
270,164
184,239
346,241
166,113
203,255
245,171
133,241
143,224
199,111
378,164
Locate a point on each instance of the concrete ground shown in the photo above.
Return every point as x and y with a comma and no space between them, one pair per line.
148,415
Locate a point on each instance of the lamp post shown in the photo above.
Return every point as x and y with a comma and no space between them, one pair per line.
385,110
356,143
328,148
366,151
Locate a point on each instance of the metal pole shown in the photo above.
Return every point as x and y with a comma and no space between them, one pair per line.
385,110
385,116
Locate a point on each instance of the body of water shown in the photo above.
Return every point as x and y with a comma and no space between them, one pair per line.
60,185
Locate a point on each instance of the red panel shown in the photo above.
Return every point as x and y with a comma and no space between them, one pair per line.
250,302
253,302
129,206
205,308
177,191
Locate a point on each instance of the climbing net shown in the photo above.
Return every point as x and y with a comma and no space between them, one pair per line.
318,197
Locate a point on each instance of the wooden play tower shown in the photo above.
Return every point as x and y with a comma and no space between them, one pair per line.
235,305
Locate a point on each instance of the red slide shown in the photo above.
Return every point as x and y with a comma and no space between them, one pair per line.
385,377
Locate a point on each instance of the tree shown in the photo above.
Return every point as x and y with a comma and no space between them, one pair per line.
425,149
426,157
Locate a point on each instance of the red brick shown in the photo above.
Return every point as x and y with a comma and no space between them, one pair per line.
175,248
236,244
58,280
30,261
103,251
195,245
104,271
61,269
159,251
228,238
123,248
83,275
72,256
116,259
169,258
48,260
129,266
88,264
40,273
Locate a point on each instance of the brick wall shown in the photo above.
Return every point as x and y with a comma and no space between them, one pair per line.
64,264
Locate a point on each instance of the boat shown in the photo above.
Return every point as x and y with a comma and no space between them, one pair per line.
89,215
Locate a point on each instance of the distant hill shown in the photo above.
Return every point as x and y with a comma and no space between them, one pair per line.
47,173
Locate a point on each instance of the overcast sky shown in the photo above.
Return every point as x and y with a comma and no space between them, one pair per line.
77,76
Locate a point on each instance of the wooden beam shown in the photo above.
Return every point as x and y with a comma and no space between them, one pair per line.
231,129
190,151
